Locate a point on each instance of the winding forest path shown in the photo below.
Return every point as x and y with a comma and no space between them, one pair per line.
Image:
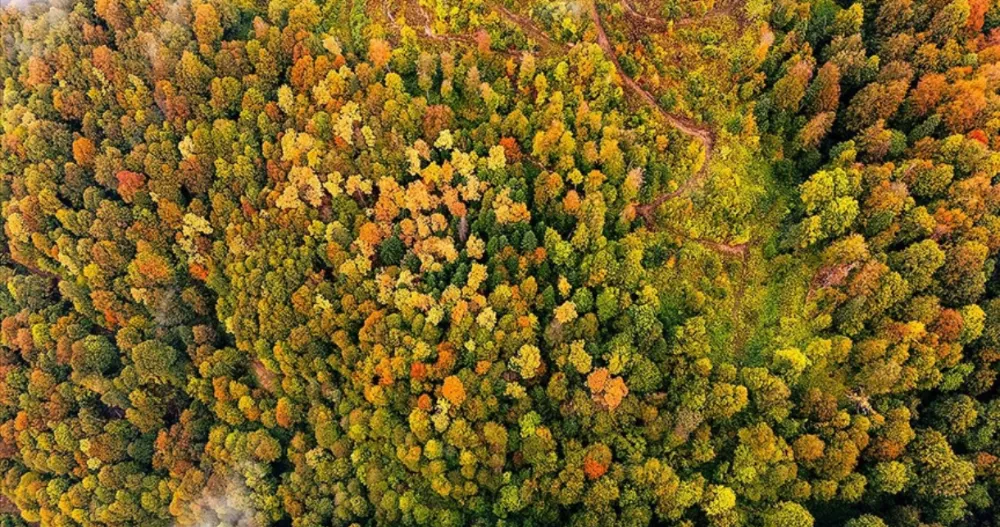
727,9
698,132
650,22
547,44
529,28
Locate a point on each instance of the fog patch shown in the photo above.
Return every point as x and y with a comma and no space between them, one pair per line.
35,6
225,500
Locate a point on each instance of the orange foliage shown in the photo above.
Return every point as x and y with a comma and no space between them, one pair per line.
38,72
571,202
129,183
948,325
614,392
512,151
979,135
198,271
418,371
303,74
977,15
928,92
103,59
283,413
453,390
83,151
608,390
379,53
597,460
597,379
446,358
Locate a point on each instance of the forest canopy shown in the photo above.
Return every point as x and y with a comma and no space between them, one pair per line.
500,262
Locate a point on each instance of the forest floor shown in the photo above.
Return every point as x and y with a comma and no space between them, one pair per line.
654,24
698,132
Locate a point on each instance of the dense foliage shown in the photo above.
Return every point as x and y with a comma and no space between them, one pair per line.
462,262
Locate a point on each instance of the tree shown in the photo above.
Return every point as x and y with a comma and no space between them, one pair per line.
155,361
788,514
207,26
93,354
